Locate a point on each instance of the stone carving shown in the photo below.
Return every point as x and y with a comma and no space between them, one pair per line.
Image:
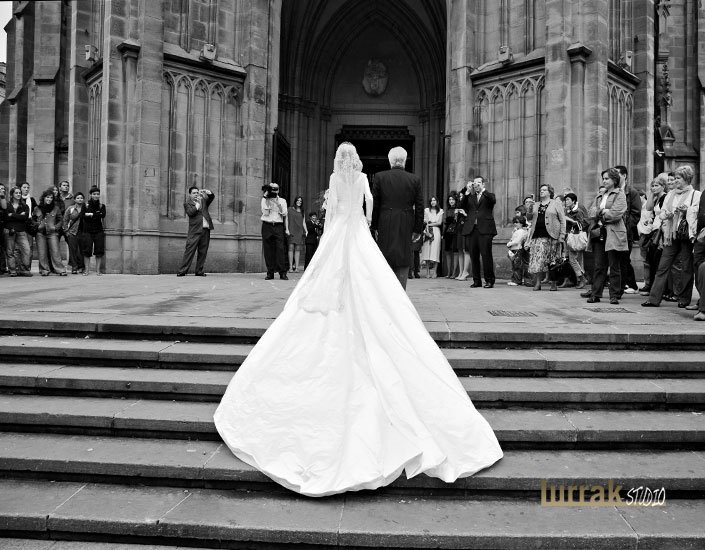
375,78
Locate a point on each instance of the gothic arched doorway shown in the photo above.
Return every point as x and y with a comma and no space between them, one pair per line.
369,72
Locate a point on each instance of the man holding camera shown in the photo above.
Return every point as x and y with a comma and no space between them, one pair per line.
274,230
478,230
199,229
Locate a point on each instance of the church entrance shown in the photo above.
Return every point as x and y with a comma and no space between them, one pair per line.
373,144
369,72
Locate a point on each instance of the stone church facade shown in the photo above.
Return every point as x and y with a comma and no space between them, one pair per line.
146,98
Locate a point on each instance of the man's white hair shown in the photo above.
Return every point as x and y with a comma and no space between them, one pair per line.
397,157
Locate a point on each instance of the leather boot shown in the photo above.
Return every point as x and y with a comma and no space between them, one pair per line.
581,282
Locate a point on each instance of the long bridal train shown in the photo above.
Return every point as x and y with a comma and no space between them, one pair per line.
347,389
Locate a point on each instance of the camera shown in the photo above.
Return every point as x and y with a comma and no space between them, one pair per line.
269,192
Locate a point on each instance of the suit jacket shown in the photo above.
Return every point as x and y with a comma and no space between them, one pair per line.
196,215
397,212
479,212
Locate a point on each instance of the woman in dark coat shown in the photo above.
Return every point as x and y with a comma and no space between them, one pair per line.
17,249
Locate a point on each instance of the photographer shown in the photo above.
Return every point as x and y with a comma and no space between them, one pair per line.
274,228
199,230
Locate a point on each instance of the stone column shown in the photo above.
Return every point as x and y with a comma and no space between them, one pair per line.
559,127
141,63
579,55
42,121
595,154
700,56
460,44
17,96
644,96
258,51
78,97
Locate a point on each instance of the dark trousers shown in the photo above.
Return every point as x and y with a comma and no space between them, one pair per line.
75,252
196,243
3,260
627,269
676,259
273,247
402,274
520,266
602,260
653,256
699,264
480,246
310,251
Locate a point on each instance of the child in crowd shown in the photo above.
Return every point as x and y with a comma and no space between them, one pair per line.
516,253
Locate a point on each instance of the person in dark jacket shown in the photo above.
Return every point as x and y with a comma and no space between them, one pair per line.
199,230
49,218
3,207
73,227
699,261
479,230
313,233
92,238
397,213
17,249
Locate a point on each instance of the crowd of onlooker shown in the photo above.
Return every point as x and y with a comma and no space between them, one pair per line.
58,214
557,241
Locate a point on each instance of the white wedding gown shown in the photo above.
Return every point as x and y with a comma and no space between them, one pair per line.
347,389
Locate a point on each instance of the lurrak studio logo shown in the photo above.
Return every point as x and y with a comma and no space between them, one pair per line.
600,495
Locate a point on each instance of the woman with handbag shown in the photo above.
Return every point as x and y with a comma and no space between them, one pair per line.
431,250
546,236
576,238
678,224
608,237
17,250
649,228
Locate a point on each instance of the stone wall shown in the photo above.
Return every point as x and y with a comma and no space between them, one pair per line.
129,95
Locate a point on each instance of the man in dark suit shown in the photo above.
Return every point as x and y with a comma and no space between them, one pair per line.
199,229
479,230
397,213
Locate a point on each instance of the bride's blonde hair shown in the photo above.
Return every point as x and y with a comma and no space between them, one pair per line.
347,159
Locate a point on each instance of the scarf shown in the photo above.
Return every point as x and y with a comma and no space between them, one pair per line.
674,199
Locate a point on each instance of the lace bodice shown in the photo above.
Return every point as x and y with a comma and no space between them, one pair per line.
345,197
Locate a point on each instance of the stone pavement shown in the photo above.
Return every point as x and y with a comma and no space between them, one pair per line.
220,297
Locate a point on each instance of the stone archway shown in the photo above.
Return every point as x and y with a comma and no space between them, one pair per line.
332,53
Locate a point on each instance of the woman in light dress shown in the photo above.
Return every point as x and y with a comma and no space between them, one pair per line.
431,249
346,389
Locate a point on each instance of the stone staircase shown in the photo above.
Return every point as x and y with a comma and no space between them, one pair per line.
106,436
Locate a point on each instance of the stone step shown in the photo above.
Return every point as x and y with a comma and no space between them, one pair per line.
602,333
173,516
487,391
36,544
211,464
213,356
193,420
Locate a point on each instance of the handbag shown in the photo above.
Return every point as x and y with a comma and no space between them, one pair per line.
683,230
32,226
576,240
416,242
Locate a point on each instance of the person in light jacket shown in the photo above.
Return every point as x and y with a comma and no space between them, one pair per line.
607,238
49,218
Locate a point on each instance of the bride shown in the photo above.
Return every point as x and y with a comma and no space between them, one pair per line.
346,389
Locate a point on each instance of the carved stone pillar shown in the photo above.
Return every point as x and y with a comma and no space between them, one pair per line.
78,120
559,127
595,125
459,91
